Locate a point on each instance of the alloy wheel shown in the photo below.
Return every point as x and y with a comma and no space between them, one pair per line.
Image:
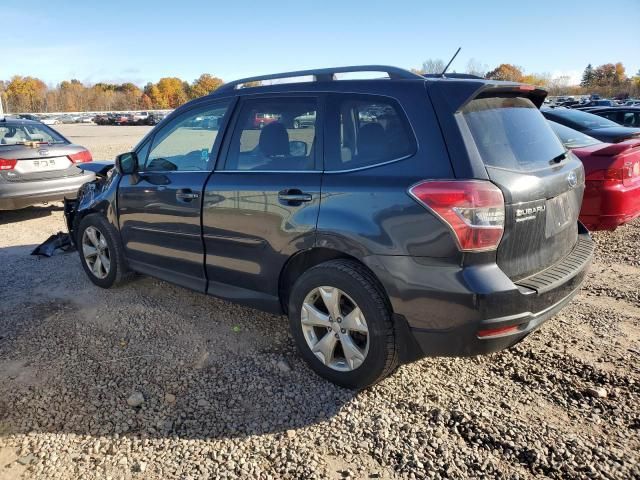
335,328
96,252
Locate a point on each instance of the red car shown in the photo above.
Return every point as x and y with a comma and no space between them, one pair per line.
262,119
612,177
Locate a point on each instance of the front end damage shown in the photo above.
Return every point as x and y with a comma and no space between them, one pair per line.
97,196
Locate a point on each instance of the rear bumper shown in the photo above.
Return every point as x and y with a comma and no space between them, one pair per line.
606,207
443,310
14,196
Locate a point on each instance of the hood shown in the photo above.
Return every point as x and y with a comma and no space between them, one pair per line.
100,168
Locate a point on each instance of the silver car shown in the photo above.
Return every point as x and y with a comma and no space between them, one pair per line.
37,164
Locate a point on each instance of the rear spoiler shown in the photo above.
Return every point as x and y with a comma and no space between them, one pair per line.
614,149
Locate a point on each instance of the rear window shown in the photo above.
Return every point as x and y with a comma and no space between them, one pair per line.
511,133
572,138
24,134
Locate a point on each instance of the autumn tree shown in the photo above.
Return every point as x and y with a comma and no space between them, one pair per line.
25,94
72,96
204,85
541,80
171,93
507,72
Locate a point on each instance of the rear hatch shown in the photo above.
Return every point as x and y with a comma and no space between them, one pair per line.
495,131
541,181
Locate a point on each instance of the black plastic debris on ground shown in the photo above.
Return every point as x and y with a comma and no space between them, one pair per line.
59,241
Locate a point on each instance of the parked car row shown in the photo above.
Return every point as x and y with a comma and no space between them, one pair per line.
111,118
139,118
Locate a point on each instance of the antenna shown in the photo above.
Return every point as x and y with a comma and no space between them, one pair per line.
450,61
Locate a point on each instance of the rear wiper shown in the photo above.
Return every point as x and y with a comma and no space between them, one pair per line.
558,158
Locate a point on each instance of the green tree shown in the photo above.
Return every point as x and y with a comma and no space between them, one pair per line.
588,77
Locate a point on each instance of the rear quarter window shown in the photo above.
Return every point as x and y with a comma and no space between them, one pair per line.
510,132
366,130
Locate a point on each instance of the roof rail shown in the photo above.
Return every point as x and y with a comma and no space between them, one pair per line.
452,75
324,74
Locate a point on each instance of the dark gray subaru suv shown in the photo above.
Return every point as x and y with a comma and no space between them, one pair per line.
408,217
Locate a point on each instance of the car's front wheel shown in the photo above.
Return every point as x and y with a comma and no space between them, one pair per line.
100,251
342,324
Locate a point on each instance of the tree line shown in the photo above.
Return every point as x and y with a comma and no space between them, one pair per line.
608,80
29,94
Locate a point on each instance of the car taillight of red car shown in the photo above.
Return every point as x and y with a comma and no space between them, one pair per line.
625,165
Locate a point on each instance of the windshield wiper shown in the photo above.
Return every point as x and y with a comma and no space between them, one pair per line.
558,158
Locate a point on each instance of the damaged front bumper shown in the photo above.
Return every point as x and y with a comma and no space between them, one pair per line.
93,197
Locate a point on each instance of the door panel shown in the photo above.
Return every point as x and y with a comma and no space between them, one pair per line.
161,229
262,206
250,229
160,206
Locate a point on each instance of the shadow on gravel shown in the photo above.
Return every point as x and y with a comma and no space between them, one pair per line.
149,368
29,213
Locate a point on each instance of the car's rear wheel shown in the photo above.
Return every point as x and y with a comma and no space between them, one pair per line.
100,251
296,124
342,324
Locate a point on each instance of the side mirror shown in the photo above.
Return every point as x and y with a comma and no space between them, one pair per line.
127,163
297,148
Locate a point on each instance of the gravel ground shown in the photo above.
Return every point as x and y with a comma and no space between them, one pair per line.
154,381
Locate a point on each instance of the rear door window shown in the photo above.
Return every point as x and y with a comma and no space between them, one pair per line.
274,134
510,132
631,119
366,130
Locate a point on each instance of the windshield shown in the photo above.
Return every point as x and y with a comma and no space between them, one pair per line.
511,133
572,138
583,119
22,134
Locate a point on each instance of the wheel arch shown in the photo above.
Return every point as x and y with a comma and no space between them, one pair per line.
306,259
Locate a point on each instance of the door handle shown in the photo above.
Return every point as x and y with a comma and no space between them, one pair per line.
294,195
186,195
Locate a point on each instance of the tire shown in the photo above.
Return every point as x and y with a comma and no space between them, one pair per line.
296,124
109,241
376,357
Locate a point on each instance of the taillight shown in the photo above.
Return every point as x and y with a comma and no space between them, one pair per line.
629,172
7,163
472,209
81,157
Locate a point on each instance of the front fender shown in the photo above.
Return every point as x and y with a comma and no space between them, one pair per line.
99,196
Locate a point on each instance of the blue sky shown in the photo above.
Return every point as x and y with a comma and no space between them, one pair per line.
143,41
